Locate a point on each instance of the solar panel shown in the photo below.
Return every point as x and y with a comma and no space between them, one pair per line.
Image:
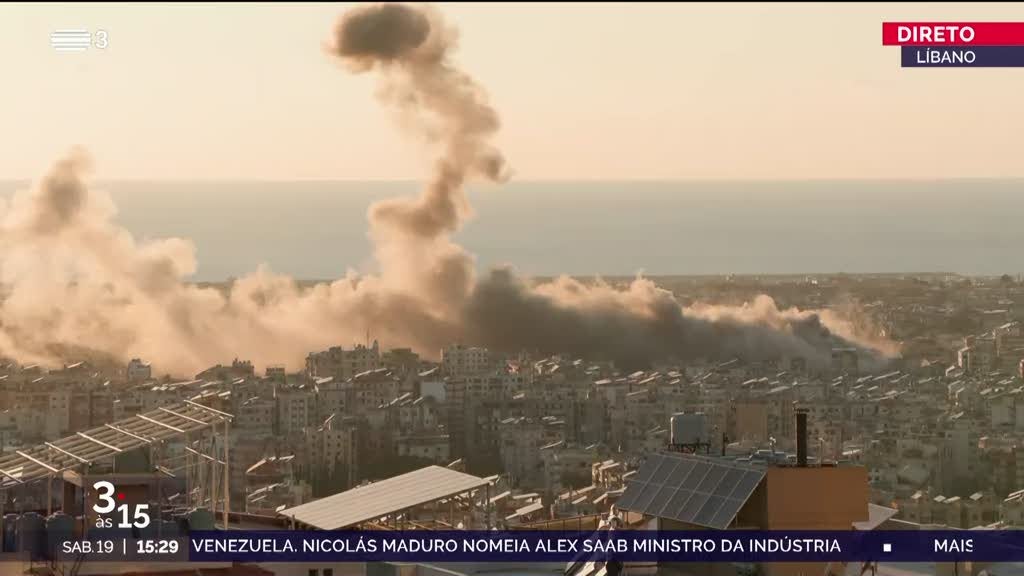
711,482
746,485
708,510
675,505
386,497
647,469
625,501
664,471
684,469
660,499
726,513
690,489
728,483
643,500
692,507
695,477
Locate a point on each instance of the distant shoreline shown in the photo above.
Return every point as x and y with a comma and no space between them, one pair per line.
688,229
677,277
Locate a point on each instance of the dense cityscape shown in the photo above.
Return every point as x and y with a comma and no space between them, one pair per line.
939,428
157,420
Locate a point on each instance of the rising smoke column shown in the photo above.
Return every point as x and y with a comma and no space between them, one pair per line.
74,280
642,324
410,48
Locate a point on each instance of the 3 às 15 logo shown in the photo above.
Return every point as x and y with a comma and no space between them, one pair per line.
106,503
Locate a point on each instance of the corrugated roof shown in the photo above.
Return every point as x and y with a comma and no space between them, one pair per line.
382,498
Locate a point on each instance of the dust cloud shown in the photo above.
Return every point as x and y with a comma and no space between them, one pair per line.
74,279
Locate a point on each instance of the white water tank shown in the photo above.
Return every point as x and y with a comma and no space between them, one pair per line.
688,428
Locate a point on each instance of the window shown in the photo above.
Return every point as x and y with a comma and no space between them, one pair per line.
313,572
328,571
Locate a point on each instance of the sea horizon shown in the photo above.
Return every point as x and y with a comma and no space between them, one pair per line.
317,229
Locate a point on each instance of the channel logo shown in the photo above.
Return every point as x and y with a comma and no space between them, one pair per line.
69,40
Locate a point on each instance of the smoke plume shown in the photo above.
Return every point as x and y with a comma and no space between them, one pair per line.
74,279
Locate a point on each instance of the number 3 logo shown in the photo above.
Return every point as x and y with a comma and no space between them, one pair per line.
101,41
107,499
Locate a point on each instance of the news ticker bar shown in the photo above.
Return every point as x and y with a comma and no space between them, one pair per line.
557,546
957,44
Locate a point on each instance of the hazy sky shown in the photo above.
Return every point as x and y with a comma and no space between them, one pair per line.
585,91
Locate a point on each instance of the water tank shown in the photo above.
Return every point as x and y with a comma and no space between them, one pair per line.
79,526
688,428
31,534
169,529
201,519
10,532
163,528
60,528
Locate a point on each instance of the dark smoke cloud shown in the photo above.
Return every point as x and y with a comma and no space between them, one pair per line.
75,279
643,324
383,32
410,47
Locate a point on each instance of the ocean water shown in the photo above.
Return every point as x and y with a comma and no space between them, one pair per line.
317,229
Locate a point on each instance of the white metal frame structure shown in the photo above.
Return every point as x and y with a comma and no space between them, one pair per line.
83,448
186,421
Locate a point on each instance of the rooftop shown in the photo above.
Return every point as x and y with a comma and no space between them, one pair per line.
383,498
